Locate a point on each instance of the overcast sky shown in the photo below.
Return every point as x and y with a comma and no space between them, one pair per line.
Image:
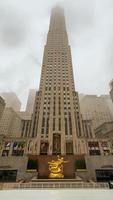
23,30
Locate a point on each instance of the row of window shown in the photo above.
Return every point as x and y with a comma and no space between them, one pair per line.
64,93
59,88
56,53
68,125
59,97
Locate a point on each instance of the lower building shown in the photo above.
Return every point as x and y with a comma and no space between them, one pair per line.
10,123
30,101
2,106
111,91
105,130
97,109
19,159
25,124
11,100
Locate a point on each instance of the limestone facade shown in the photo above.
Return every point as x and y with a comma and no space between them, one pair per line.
10,123
2,106
105,130
111,91
56,119
96,109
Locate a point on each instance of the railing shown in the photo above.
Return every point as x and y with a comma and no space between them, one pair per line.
53,185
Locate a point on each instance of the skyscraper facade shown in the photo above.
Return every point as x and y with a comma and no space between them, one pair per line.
2,106
56,122
111,91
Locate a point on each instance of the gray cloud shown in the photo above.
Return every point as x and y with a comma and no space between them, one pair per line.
108,60
80,15
13,29
12,34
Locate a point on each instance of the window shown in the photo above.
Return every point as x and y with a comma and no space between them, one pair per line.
66,128
69,148
70,125
53,124
80,164
32,164
59,124
47,127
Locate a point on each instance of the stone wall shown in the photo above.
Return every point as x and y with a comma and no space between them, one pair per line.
14,162
97,162
92,163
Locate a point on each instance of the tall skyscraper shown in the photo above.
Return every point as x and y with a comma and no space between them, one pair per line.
56,122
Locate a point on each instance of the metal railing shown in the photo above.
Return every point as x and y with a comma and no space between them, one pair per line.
53,185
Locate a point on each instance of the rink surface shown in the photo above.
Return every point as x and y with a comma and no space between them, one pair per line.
61,194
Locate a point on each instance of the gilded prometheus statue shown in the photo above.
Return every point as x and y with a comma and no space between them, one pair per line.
56,168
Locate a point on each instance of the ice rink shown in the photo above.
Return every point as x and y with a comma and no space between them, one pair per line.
71,194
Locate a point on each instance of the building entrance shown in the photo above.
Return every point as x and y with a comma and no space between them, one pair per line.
103,175
8,175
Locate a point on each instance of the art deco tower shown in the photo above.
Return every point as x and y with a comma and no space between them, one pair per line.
56,121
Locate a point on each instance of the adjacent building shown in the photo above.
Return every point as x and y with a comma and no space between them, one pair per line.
105,130
25,124
2,106
96,109
111,91
107,99
30,101
11,100
10,123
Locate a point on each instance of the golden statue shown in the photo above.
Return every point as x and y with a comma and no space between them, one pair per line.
56,168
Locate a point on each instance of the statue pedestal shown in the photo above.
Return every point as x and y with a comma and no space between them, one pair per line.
56,176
